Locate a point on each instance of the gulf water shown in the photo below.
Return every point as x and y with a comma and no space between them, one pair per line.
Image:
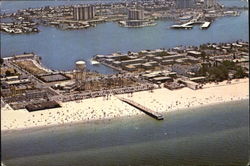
210,135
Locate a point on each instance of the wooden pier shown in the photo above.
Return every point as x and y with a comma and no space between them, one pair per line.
146,110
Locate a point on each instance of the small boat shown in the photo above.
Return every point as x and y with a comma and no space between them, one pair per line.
94,62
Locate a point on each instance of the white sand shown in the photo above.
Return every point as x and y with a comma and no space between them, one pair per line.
161,100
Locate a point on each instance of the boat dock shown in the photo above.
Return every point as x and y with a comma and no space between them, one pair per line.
146,110
181,27
189,25
205,25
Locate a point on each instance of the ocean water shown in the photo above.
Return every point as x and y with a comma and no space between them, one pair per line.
60,49
209,135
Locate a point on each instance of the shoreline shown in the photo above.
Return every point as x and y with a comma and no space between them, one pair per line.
99,110
103,121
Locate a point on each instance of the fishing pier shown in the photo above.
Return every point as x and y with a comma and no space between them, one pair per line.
146,110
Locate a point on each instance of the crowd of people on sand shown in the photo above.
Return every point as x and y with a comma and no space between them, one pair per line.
109,106
187,100
70,113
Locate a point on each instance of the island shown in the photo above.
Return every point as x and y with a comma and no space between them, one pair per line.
130,14
148,81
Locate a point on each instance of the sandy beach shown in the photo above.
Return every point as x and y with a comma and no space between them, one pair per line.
160,100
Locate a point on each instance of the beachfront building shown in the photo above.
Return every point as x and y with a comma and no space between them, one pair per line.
134,14
136,19
83,12
182,4
209,3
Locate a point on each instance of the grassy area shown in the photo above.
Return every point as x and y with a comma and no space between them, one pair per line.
30,67
221,71
8,71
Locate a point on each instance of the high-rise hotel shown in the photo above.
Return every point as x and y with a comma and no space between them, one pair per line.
83,12
209,3
134,14
182,4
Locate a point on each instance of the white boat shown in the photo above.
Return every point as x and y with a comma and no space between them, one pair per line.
94,62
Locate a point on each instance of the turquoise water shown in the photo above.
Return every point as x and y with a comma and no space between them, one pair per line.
211,135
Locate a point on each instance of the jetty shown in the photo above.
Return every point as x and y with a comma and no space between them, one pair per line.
146,110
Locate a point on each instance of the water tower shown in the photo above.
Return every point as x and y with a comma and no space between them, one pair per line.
80,73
